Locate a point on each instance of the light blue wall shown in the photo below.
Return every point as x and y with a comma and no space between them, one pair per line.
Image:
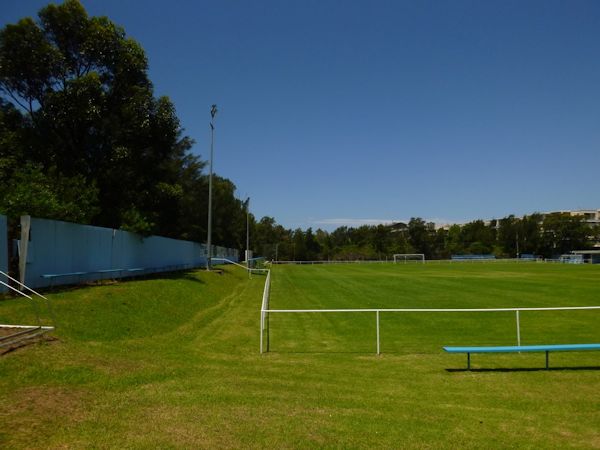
3,250
61,247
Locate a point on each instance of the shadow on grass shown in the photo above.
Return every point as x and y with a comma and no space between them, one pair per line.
527,369
186,274
320,352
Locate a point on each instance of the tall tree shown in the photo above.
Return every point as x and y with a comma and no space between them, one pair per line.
420,235
89,114
562,232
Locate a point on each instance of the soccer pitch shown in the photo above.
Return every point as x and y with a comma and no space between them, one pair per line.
173,362
430,286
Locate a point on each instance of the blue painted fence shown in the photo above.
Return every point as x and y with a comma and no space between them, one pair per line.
471,257
3,250
68,253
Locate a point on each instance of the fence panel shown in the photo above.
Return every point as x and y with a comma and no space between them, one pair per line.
66,253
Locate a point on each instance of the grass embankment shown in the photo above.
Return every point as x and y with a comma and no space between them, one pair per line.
174,362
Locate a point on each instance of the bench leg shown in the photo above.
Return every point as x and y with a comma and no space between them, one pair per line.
468,361
547,359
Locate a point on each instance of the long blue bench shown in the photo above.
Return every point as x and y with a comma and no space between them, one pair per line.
132,271
57,275
522,348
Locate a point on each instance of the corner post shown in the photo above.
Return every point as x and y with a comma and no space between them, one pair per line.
377,320
262,329
518,328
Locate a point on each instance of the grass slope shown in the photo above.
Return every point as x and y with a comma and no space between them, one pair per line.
174,363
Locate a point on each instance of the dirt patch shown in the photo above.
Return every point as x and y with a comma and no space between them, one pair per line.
49,401
31,412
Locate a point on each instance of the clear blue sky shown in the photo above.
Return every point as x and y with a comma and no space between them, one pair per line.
337,112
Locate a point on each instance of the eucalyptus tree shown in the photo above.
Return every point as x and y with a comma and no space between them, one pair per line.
90,115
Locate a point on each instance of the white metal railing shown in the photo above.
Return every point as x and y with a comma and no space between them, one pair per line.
25,329
249,269
264,308
265,313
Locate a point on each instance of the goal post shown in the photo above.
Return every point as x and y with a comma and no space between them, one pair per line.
409,257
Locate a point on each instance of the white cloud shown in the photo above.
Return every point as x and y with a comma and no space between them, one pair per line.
355,222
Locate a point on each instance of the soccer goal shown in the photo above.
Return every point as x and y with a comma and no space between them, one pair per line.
409,258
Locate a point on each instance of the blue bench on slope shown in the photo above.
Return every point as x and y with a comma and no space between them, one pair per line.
522,348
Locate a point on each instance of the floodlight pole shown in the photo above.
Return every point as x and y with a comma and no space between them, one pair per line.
248,232
213,113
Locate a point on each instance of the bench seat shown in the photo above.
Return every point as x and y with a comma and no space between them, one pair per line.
522,348
56,275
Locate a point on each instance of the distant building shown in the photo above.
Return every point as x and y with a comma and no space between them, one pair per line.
591,216
589,256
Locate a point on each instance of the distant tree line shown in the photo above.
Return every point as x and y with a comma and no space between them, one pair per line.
541,235
83,138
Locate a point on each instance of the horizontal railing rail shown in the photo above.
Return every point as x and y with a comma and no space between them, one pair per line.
23,332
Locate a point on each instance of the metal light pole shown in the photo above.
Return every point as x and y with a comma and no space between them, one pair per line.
248,232
213,113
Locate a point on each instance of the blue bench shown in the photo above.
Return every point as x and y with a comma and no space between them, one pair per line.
57,275
522,348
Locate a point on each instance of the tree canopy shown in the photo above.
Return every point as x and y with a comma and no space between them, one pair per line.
84,138
547,235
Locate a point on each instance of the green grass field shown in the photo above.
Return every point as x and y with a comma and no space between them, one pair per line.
463,285
173,362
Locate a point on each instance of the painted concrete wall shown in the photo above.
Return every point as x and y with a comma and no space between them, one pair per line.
60,247
3,250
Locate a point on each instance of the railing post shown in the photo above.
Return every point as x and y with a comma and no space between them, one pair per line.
518,329
262,329
377,319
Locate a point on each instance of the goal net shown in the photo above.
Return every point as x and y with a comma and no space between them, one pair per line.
409,258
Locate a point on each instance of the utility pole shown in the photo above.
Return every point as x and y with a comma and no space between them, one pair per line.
213,113
248,232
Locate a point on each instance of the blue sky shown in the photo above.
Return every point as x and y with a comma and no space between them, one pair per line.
346,112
